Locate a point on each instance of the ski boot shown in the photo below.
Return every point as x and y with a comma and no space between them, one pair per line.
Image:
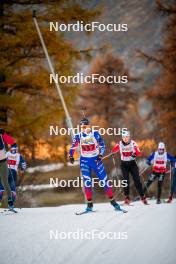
115,205
127,200
170,199
144,200
89,206
10,203
158,201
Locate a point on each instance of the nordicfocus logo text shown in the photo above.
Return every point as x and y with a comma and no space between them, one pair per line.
62,131
80,26
79,183
89,235
79,78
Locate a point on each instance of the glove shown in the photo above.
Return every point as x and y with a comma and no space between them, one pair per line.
100,156
133,155
148,162
23,166
72,160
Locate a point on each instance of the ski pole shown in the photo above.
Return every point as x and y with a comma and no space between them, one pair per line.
14,184
20,191
142,171
109,155
140,175
116,172
170,177
144,181
114,163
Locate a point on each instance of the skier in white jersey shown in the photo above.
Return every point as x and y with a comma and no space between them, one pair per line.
14,161
158,160
129,150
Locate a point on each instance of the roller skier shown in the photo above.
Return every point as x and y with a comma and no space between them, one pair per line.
14,162
129,150
92,148
158,160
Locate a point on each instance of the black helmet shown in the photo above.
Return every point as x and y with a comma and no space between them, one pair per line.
84,121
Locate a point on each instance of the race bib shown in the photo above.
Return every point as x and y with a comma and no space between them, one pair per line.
88,148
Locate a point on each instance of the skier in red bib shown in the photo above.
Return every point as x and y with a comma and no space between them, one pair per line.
129,150
158,160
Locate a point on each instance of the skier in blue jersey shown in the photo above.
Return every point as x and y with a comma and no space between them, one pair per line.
92,149
14,162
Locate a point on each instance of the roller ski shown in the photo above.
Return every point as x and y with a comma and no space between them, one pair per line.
11,207
10,210
89,209
85,212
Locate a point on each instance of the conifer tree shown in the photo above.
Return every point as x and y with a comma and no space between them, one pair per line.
28,103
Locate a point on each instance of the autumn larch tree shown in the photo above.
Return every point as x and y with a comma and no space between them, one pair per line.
28,103
163,92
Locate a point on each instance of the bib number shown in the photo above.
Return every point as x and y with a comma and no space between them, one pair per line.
11,162
88,147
